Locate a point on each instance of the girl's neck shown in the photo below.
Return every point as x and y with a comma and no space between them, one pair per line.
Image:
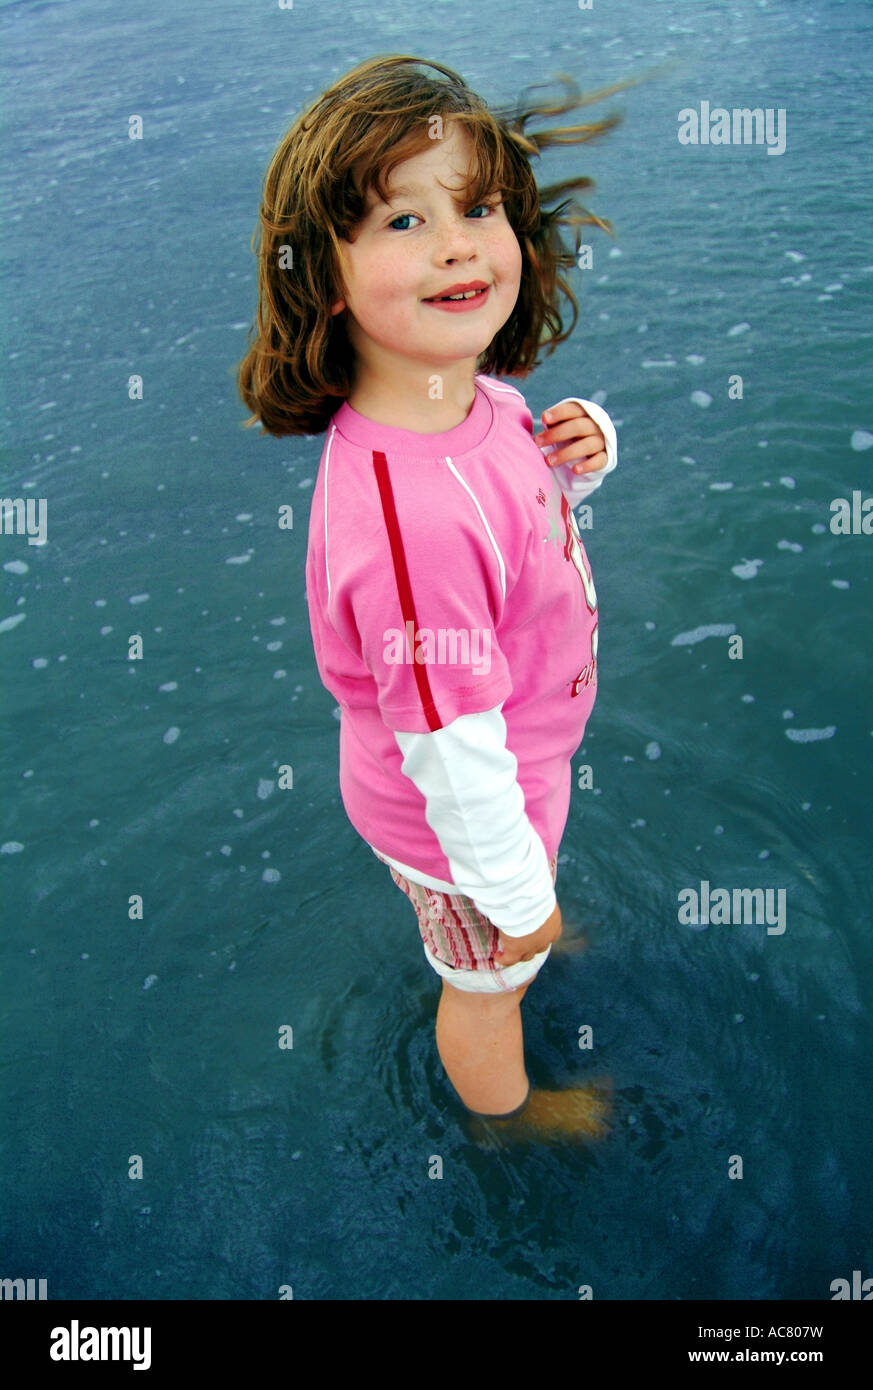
414,409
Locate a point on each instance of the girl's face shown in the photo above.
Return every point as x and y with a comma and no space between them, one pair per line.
420,244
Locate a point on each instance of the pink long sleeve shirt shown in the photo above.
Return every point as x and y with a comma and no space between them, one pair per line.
454,620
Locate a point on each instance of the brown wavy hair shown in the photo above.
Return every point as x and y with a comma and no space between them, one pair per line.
299,366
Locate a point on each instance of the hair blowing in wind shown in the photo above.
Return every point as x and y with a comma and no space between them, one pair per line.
299,366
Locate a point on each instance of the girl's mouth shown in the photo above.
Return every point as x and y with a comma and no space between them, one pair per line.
473,301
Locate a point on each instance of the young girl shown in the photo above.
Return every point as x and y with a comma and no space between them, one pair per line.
406,261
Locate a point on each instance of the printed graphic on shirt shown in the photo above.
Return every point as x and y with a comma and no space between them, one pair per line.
564,530
573,551
589,672
552,503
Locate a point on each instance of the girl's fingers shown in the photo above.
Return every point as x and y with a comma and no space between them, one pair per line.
583,443
577,444
593,464
590,466
567,410
578,427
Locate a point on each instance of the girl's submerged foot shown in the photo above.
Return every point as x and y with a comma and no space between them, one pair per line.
571,944
579,1112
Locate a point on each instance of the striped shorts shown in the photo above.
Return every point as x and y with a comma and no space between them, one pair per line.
459,942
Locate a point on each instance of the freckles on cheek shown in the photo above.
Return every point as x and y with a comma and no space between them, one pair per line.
508,259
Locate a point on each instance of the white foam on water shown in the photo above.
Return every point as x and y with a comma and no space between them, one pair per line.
699,634
747,570
810,735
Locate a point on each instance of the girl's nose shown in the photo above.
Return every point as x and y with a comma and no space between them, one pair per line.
453,240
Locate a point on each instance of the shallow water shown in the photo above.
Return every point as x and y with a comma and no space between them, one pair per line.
309,1165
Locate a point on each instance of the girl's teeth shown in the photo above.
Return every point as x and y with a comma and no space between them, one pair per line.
469,295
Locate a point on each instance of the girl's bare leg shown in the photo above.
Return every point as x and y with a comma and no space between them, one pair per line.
480,1042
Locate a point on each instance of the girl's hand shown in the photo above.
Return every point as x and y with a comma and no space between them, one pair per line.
568,424
512,949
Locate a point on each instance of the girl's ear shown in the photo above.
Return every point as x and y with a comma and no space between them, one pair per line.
338,307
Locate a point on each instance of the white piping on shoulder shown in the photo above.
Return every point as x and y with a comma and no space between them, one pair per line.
490,533
501,386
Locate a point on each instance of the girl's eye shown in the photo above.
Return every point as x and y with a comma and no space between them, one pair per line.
489,207
400,218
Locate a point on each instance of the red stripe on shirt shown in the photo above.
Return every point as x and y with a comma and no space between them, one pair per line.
404,587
